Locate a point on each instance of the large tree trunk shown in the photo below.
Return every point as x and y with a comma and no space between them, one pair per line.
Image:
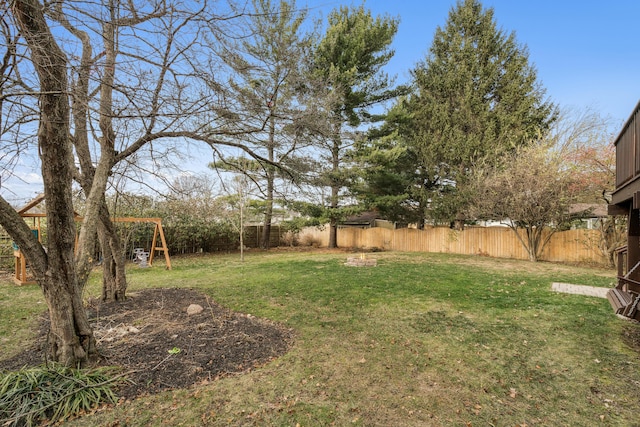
612,236
333,234
268,213
335,192
114,280
71,339
97,221
114,277
266,230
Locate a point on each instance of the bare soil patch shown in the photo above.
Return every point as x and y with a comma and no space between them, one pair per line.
151,336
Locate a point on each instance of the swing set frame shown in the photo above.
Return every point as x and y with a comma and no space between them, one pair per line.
20,276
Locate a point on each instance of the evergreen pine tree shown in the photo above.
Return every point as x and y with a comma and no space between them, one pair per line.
477,97
349,59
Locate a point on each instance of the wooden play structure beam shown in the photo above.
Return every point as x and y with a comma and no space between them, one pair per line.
157,231
20,276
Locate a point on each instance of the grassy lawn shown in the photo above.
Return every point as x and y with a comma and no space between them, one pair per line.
420,339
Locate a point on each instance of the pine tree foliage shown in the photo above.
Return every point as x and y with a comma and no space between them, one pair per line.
267,78
477,97
389,181
349,59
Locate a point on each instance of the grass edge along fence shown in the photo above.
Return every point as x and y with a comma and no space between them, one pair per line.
571,246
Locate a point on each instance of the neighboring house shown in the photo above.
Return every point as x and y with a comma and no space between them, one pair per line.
584,215
367,220
588,215
492,223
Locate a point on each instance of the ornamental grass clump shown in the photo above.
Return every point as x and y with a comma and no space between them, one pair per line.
53,392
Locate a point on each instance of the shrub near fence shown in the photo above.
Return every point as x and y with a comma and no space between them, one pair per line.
570,246
194,239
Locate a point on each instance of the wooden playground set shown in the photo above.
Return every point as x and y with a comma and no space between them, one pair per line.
21,276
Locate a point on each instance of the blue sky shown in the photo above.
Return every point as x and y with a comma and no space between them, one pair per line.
587,53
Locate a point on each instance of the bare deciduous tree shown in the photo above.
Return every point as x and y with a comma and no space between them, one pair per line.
96,166
530,190
586,143
71,338
144,87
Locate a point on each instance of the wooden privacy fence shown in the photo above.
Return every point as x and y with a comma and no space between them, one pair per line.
565,246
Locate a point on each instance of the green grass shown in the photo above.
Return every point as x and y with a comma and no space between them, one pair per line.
421,339
19,311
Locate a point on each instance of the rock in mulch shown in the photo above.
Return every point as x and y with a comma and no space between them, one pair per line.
194,309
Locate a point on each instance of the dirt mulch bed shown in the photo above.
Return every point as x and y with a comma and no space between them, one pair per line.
152,336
